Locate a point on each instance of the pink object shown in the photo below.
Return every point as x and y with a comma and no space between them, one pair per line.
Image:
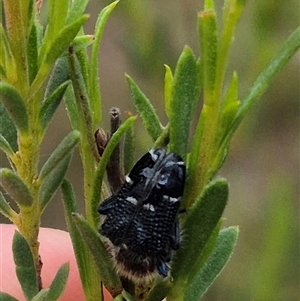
55,250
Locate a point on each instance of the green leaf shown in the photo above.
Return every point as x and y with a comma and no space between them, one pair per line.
83,59
264,80
83,110
183,97
5,209
7,128
59,154
159,291
168,89
199,284
145,109
63,40
56,24
58,284
15,187
25,267
82,42
7,297
230,105
58,45
113,142
41,295
59,75
76,9
207,30
16,19
15,106
79,43
53,181
71,107
4,145
191,190
102,258
94,89
129,143
88,274
127,297
6,56
200,223
50,105
3,75
32,52
207,250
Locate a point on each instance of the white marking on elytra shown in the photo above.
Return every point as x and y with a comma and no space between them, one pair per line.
132,200
124,246
149,207
128,180
170,163
153,156
170,199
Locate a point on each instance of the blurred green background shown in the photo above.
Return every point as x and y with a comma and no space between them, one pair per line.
263,164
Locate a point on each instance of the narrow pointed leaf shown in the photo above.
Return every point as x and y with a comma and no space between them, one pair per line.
15,187
145,109
57,47
265,79
59,75
7,297
64,38
207,250
191,190
71,107
32,53
184,94
60,153
51,104
52,182
231,95
82,42
230,107
208,44
5,209
214,265
96,247
7,128
83,59
94,91
55,24
129,146
56,9
200,223
88,274
83,105
58,284
168,89
4,145
41,295
127,297
76,9
25,267
15,106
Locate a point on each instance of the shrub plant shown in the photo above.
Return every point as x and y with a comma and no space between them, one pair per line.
41,67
